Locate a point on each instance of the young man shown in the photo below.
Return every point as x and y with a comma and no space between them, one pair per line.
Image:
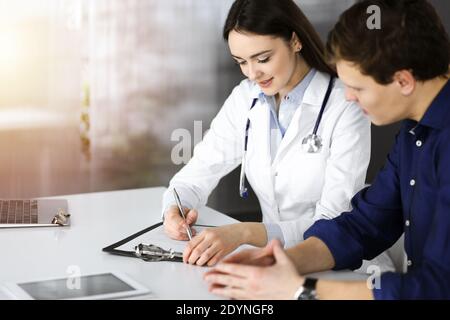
397,72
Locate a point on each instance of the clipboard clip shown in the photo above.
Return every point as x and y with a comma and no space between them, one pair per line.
152,253
61,217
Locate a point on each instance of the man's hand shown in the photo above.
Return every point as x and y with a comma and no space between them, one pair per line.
174,225
256,257
238,281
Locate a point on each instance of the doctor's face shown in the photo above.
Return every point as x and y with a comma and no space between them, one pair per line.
384,104
269,61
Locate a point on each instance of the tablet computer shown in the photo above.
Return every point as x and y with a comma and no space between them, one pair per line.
109,285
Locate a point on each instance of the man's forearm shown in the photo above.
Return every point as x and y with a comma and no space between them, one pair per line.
343,290
312,255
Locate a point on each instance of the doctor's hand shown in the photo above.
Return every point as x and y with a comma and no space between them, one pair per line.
174,225
212,244
240,281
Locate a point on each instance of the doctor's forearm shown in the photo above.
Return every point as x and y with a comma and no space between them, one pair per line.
254,233
312,255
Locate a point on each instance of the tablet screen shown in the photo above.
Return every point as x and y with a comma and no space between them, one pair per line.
91,285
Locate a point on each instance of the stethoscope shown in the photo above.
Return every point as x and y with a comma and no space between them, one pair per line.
312,143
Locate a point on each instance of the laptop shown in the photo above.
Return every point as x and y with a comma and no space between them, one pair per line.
34,213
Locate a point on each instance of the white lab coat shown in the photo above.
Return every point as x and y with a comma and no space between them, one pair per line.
296,188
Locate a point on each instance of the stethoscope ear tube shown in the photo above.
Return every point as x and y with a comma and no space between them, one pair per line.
324,104
243,192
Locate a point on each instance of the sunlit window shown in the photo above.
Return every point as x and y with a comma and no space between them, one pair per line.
36,42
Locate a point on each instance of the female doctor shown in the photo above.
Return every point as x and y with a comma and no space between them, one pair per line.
302,147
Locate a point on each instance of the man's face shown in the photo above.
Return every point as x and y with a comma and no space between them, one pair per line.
384,104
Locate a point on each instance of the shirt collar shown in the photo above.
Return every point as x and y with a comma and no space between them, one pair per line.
438,113
295,96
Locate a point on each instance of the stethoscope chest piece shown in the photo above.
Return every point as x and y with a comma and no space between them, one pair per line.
312,143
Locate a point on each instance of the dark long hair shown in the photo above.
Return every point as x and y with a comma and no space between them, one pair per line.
278,18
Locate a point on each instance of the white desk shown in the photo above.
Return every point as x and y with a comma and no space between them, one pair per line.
98,220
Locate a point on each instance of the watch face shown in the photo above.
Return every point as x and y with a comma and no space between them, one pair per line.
309,290
308,295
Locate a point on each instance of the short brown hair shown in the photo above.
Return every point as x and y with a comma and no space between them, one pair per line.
411,37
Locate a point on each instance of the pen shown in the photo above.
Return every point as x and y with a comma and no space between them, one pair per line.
180,208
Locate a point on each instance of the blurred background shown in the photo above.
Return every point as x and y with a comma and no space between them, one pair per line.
92,92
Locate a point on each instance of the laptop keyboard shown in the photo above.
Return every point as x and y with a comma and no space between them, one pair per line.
18,211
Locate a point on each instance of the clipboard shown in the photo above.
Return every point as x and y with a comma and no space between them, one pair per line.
154,252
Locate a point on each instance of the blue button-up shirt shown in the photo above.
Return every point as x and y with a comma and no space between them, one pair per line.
411,194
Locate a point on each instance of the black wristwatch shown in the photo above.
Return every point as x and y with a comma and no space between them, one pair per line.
308,290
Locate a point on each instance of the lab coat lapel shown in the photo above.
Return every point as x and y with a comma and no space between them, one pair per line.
305,116
260,131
